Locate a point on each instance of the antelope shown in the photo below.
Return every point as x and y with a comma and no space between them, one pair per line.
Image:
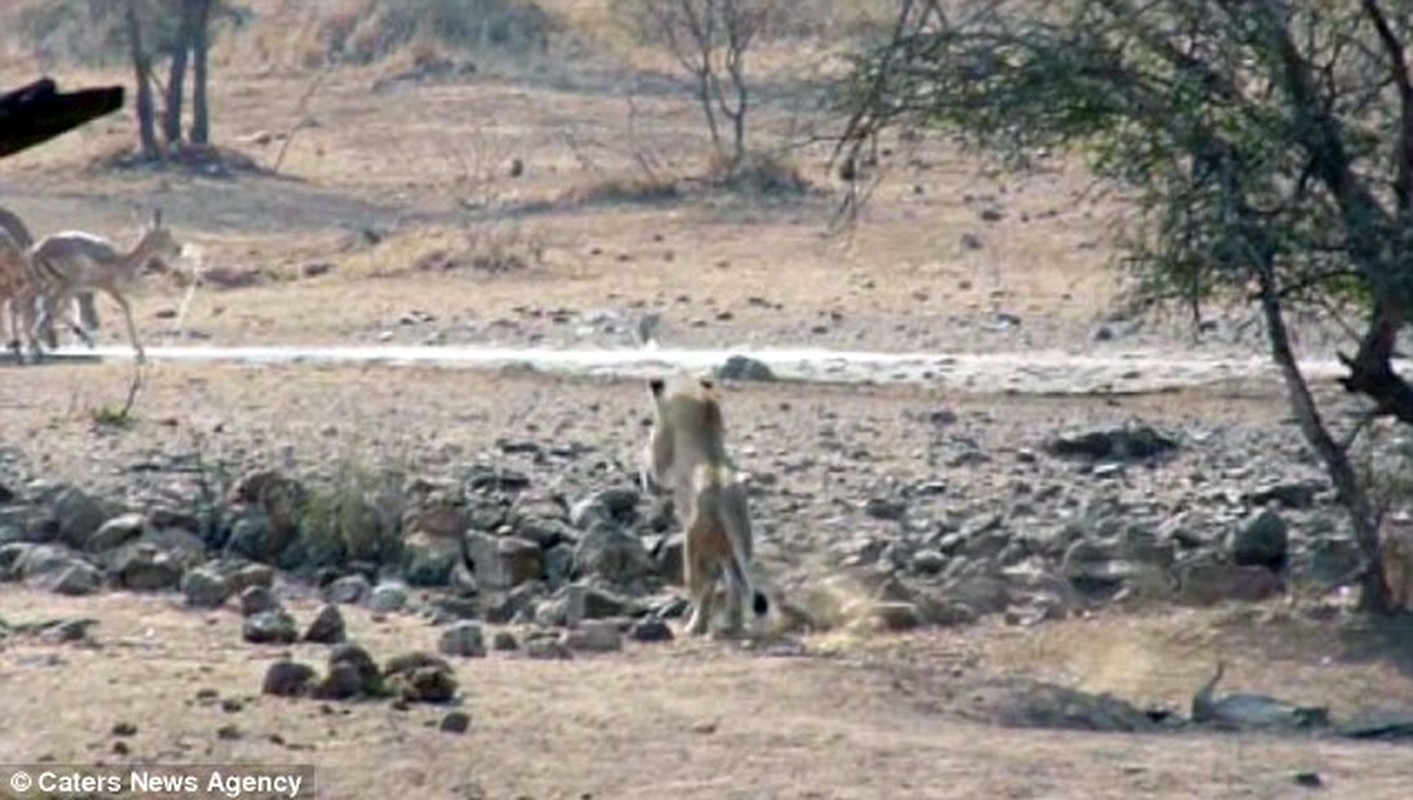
66,265
18,291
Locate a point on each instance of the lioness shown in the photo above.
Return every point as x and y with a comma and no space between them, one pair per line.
1396,546
686,454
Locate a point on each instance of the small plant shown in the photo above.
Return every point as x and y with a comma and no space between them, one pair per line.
112,416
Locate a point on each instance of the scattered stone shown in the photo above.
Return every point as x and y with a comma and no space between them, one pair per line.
1264,541
116,532
286,678
257,600
612,553
744,368
389,597
455,722
252,575
546,648
594,636
348,590
1117,444
205,588
78,515
79,578
504,641
351,659
419,677
502,562
141,567
270,627
464,639
1206,583
328,626
651,630
586,602
1309,780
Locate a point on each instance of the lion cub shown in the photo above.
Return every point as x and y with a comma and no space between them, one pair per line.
686,455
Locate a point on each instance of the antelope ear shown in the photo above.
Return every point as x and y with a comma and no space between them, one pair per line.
656,385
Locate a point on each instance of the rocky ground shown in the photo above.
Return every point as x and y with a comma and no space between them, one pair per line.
445,581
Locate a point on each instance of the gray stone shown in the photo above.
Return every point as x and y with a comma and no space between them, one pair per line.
79,515
585,602
594,636
348,590
270,627
1263,541
389,597
465,639
503,562
327,627
205,588
117,531
286,678
612,553
1206,583
650,630
257,600
427,560
79,578
142,567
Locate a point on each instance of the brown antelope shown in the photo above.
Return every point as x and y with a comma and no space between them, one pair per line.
17,290
65,265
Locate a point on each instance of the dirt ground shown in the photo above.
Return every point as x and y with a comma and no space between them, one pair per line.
347,244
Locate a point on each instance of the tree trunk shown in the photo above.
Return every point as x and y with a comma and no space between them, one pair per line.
1373,591
176,81
146,130
200,45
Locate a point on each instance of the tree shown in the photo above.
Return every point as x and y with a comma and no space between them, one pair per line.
710,39
1268,145
142,64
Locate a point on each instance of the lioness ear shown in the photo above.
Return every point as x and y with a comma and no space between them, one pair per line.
656,385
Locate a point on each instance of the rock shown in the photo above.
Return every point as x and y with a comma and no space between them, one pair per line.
1291,494
353,660
257,600
744,368
892,616
594,636
465,639
980,594
1263,541
667,557
545,648
205,588
286,678
1117,444
650,630
612,553
280,501
503,562
421,678
428,560
585,602
270,627
252,575
341,683
348,590
455,722
79,578
1241,711
504,641
389,597
78,514
928,562
141,567
115,532
885,508
1206,583
327,627
1023,703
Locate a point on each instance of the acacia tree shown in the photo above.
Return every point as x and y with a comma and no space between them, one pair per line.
1268,145
709,39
